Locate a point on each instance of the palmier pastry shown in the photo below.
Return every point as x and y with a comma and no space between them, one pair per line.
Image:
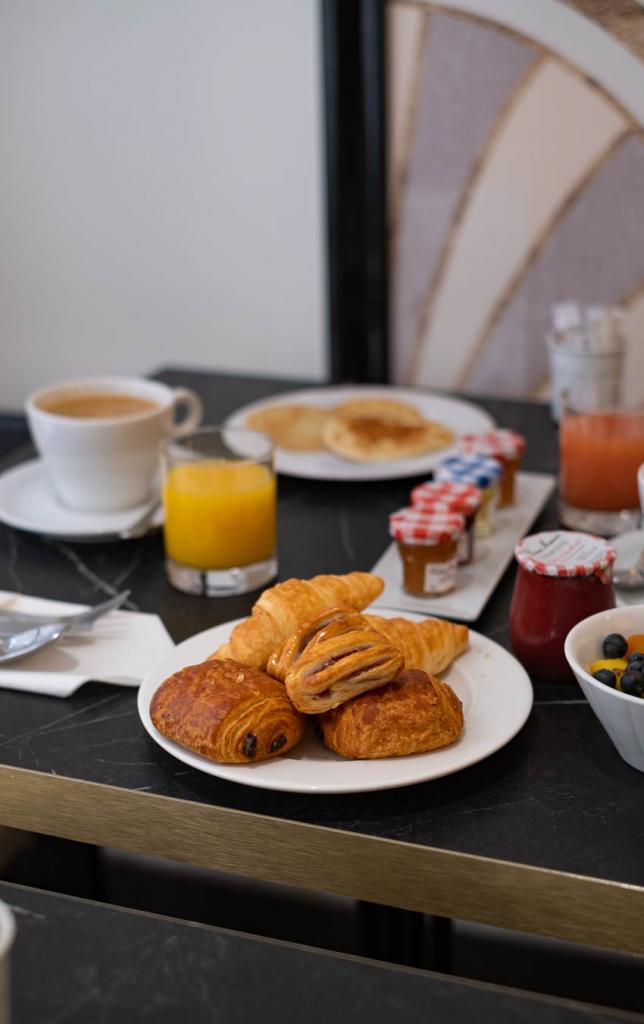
414,713
281,609
226,712
341,660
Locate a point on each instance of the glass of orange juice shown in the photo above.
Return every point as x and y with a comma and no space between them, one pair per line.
600,450
219,500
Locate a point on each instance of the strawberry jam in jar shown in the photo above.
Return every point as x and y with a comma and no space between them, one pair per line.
428,547
562,578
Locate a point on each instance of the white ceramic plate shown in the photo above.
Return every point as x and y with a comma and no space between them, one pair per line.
495,690
492,555
27,502
461,417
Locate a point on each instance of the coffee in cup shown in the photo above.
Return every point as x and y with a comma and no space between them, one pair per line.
99,438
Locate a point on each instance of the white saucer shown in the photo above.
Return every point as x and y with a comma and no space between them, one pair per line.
28,503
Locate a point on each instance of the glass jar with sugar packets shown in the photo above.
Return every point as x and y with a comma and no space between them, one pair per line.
448,496
428,547
504,445
562,577
483,473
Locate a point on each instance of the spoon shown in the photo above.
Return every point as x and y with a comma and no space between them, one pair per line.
632,576
628,570
29,635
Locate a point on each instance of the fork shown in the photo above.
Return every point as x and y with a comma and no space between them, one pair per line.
16,622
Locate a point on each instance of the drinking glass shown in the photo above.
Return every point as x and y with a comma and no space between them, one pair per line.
219,499
600,450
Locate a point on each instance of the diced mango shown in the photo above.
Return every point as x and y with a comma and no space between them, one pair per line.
635,643
616,665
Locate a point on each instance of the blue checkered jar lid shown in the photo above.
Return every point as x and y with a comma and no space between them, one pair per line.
469,469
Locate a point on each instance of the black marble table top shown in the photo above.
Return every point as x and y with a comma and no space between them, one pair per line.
557,797
75,961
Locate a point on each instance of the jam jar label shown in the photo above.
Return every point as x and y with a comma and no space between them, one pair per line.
439,577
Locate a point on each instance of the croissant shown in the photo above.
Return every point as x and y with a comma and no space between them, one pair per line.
414,713
226,712
333,658
431,644
281,609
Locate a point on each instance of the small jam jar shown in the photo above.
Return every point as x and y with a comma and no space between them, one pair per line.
428,546
505,445
562,578
448,496
481,472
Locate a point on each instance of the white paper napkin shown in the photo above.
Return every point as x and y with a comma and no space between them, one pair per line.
120,648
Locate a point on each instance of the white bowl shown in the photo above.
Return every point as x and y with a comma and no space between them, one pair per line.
621,715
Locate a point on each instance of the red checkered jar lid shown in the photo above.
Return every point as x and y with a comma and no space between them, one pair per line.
500,443
412,526
565,553
446,496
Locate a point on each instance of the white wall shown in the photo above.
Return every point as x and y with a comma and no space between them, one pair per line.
161,192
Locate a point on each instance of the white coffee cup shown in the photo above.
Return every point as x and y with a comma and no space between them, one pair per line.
99,437
7,936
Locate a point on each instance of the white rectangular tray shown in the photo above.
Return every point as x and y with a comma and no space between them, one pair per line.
492,556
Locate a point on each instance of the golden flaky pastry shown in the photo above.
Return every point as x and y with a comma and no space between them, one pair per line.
226,712
281,609
431,644
331,659
295,427
388,409
414,713
373,439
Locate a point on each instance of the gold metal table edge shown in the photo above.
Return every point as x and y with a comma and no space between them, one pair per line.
505,894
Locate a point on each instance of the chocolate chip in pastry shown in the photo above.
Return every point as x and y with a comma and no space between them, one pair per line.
226,712
413,714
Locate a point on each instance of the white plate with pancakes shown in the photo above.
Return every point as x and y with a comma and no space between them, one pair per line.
300,419
494,688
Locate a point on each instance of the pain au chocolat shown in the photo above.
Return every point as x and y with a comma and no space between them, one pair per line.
411,715
226,712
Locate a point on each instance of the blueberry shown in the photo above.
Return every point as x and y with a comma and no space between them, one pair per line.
633,683
605,676
635,657
614,646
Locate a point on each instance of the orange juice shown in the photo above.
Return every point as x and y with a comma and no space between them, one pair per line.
219,514
599,456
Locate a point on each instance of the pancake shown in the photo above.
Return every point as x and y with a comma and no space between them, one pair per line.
294,427
371,439
380,408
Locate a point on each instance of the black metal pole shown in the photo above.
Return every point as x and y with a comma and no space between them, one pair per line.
354,93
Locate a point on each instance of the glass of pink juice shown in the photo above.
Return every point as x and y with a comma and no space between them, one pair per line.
600,451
